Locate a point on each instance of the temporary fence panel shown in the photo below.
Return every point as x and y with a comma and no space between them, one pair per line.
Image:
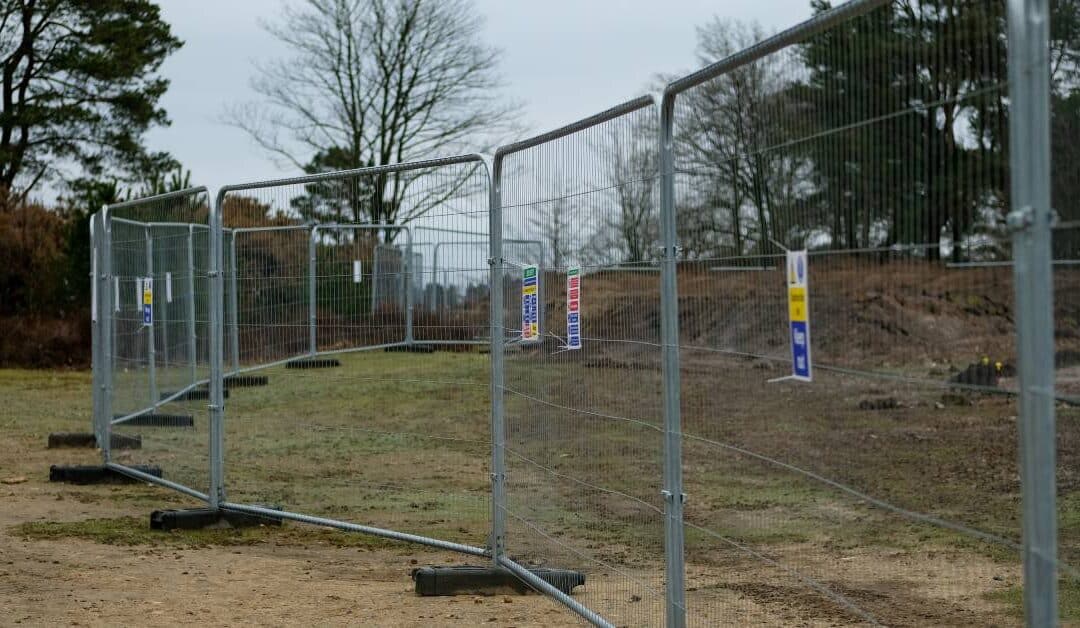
582,408
356,426
847,353
155,306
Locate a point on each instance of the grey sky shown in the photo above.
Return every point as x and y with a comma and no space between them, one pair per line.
563,59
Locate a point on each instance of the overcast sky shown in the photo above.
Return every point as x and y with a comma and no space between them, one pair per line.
562,59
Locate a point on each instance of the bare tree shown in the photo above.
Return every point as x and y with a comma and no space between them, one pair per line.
737,183
377,82
552,221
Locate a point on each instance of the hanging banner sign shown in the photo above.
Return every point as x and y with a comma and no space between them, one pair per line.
530,309
148,301
357,271
573,308
799,314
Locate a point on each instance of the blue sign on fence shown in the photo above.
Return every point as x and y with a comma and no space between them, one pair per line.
530,310
148,301
799,314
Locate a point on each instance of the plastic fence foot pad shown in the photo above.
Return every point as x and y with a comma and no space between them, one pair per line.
87,440
410,349
199,394
200,518
162,420
246,381
71,439
97,474
313,363
469,580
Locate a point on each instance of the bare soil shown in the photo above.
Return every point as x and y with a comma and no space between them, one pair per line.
70,581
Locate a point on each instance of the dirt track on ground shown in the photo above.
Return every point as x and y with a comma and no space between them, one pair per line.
301,581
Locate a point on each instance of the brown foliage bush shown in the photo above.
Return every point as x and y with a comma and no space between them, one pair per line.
42,309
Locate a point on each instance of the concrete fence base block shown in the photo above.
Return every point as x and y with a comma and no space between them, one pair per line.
313,363
204,518
60,440
97,474
468,580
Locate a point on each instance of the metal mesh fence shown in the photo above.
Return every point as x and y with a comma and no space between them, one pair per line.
156,348
360,421
583,446
876,143
777,351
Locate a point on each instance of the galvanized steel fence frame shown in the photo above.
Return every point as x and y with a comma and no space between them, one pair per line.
104,296
1031,222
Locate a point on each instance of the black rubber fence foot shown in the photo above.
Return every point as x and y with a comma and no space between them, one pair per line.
161,420
98,474
246,381
60,440
313,363
198,394
202,518
411,349
467,580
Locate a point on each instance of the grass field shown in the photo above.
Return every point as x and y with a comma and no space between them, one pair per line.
402,441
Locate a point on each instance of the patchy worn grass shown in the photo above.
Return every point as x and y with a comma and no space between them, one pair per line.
131,531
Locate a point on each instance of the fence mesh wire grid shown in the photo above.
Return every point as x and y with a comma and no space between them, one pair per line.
757,350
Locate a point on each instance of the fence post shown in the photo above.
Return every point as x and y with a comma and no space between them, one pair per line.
151,351
407,271
234,303
193,351
106,331
96,362
498,426
216,406
312,308
669,339
1031,222
165,314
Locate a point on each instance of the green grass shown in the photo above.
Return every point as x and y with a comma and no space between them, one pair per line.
400,441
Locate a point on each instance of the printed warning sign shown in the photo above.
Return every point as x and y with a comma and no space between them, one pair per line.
148,300
799,314
530,306
573,308
357,271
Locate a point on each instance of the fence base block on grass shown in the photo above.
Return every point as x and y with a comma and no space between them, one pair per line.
468,580
97,474
313,363
199,394
60,440
246,381
411,349
162,420
201,518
